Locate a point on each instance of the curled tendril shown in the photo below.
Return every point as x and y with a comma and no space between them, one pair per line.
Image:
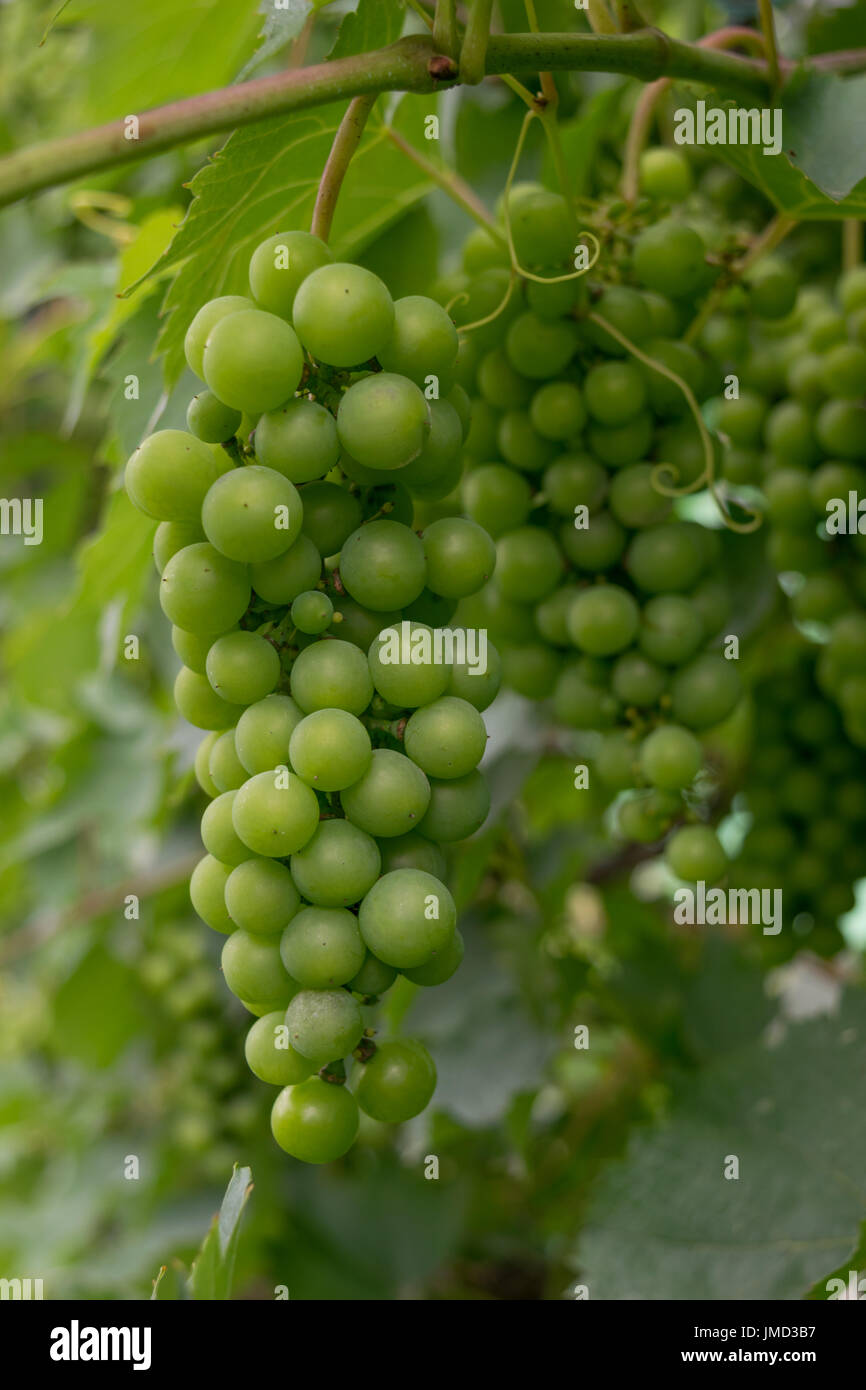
707,479
461,297
515,263
488,318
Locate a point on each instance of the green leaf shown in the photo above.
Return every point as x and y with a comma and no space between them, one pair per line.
853,1288
372,25
666,1224
213,1268
823,122
265,180
281,27
95,1012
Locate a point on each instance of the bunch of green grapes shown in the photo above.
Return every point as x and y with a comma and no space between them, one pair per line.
806,794
603,598
342,750
200,1086
797,431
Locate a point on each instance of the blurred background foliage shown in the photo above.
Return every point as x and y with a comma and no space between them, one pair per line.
558,1165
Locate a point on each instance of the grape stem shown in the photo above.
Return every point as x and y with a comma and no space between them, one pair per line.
473,54
410,65
365,1050
456,187
768,28
852,243
445,27
346,142
335,1072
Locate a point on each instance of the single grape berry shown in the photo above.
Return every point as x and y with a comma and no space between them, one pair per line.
207,318
279,265
343,314
169,474
324,1024
330,749
322,947
338,865
210,420
275,813
695,853
603,620
398,1081
252,514
252,361
670,757
269,1054
242,667
383,420
315,1121
407,918
299,440
312,611
261,896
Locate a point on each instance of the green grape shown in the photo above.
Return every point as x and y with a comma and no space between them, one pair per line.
331,674
616,760
243,667
789,431
666,397
383,565
280,264
201,764
821,599
741,466
458,807
322,947
595,548
694,853
226,769
496,498
540,227
634,500
618,445
574,480
460,556
207,893
269,1055
664,316
383,420
507,620
551,616
803,553
670,757
218,833
293,572
528,564
772,285
670,630
841,429
530,669
666,558
554,299
742,419
557,410
192,648
615,392
481,251
252,514
438,468
832,480
312,612
253,361
466,365
330,515
637,681
169,474
500,384
851,289
521,445
374,977
211,421
823,329
705,692
253,969
199,703
330,749
789,499
805,379
343,314
275,814
315,1121
172,536
359,625
581,705
540,348
668,257
624,309
441,967
403,669
664,174
324,1024
298,440
483,431
263,732
412,851
646,817
397,1082
446,738
203,592
338,866
458,399
423,342
478,681
603,620
261,896
408,918
390,798
208,316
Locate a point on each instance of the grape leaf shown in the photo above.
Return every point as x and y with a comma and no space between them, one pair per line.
265,180
855,1263
666,1224
373,25
213,1268
281,27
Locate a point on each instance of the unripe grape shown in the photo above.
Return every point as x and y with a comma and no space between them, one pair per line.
252,514
275,813
343,314
261,896
315,1121
383,420
338,865
322,947
270,1057
299,440
242,667
695,853
169,474
207,893
279,265
324,1024
253,968
206,319
263,732
407,918
670,757
397,1082
252,361
203,592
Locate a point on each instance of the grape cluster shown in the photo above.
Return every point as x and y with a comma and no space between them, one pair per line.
806,794
603,597
341,751
797,431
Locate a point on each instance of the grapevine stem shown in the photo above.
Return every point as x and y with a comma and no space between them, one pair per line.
629,16
517,268
346,142
775,232
852,243
420,12
707,478
768,28
474,50
445,27
456,187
